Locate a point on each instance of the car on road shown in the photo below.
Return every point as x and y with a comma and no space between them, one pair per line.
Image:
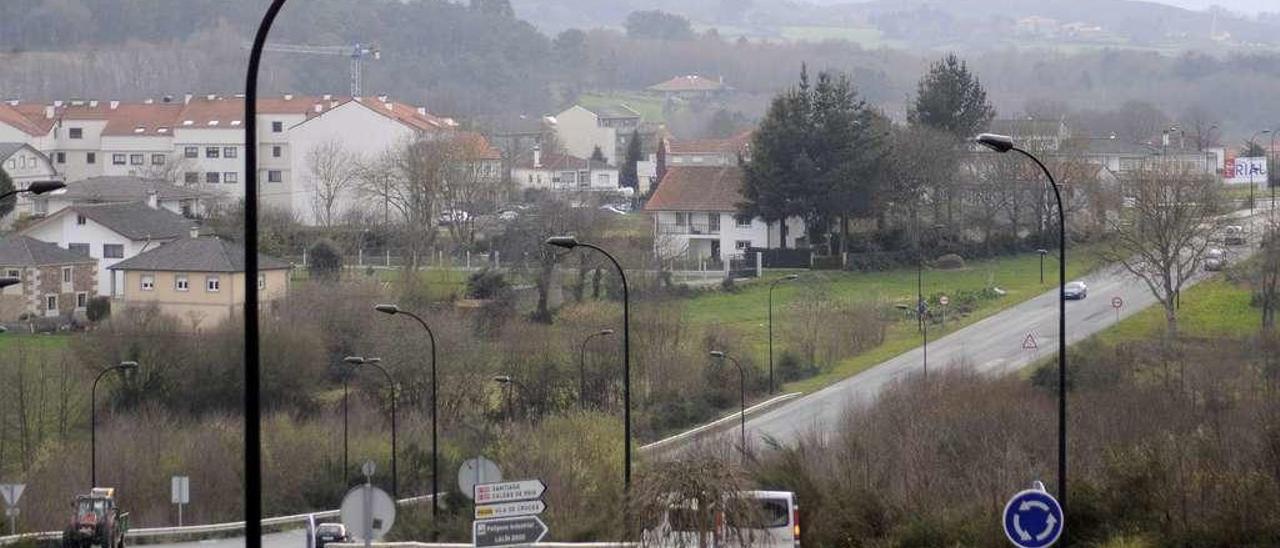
331,532
1235,235
1075,290
1215,259
770,519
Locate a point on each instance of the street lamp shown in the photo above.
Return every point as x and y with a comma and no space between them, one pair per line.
922,309
1003,144
93,417
1271,182
1042,251
37,188
742,391
570,242
773,284
508,382
357,361
582,366
1252,144
392,310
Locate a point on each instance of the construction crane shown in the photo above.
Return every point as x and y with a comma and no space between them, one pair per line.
357,52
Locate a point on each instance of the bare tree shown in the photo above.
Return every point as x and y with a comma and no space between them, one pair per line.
407,179
1172,212
332,173
1267,275
471,187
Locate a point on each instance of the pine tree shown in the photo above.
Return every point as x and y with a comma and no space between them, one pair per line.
629,177
597,155
950,98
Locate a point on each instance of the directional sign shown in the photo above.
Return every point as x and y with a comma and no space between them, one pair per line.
1033,519
1117,302
180,490
12,492
508,531
509,491
510,509
1029,343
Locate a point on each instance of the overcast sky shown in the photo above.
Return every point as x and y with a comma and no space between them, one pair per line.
1246,6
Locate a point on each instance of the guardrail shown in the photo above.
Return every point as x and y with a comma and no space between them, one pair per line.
194,530
717,424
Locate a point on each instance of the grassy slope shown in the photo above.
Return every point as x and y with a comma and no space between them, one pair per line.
1214,308
649,106
746,311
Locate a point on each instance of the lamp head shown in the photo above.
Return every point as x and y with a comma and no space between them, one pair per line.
1042,251
998,143
606,331
128,366
717,354
8,281
41,187
567,242
502,379
387,309
373,360
353,360
790,277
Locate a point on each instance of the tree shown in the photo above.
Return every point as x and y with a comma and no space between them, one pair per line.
1252,149
658,25
1200,126
1266,273
6,186
324,262
629,177
472,184
331,174
498,8
597,155
952,99
406,180
1162,237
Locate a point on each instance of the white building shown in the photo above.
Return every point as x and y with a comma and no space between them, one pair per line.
185,201
562,172
582,131
25,165
110,233
695,216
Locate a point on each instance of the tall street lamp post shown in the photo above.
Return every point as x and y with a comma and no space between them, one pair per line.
392,310
742,394
1042,253
570,242
93,417
357,361
922,308
1004,144
772,285
1252,145
508,382
582,366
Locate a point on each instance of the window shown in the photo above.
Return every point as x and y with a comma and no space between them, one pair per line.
180,282
148,282
742,245
66,274
211,152
680,219
112,251
14,273
80,249
743,221
82,300
275,176
211,284
118,159
157,159
212,177
90,157
277,127
51,303
81,220
191,152
136,159
262,281
713,222
60,157
584,178
567,177
276,151
76,133
230,177
602,179
228,152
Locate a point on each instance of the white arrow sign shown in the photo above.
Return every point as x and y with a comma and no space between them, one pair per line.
510,509
12,492
508,491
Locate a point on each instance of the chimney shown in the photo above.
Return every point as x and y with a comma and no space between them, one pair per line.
288,97
148,101
186,99
48,111
57,104
327,97
115,105
382,98
210,96
93,103
319,107
14,102
422,111
153,199
537,156
195,231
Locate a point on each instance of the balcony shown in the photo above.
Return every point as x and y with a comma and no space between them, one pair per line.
691,228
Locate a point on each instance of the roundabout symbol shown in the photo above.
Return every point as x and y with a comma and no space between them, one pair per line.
1033,519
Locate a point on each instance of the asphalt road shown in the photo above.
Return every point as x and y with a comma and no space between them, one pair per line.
288,539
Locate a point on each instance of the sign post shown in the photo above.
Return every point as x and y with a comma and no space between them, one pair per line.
1117,303
944,301
506,513
180,488
1033,519
12,493
368,512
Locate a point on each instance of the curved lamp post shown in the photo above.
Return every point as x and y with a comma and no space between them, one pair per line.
742,393
582,366
1003,144
93,417
357,361
37,188
772,285
922,308
507,381
570,242
392,310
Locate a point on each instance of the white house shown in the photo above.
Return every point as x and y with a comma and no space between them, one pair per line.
110,233
562,172
695,215
582,130
25,165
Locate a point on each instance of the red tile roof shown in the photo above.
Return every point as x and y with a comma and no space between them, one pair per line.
692,82
698,188
553,161
16,118
730,146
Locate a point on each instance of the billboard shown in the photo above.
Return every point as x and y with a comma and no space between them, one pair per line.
1245,170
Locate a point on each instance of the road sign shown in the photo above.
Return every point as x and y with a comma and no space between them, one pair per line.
180,490
1033,519
510,509
12,493
368,468
508,531
12,512
368,512
944,301
1029,343
1117,302
509,491
922,307
476,471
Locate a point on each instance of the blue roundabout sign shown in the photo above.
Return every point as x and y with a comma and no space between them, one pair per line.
1033,519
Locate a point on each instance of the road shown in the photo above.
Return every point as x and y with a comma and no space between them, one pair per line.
288,539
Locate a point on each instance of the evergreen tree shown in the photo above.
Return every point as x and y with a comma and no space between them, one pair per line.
629,177
597,155
950,98
6,186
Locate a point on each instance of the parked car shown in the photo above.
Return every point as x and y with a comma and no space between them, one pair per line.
451,216
508,214
772,521
331,532
1075,290
1215,259
1235,235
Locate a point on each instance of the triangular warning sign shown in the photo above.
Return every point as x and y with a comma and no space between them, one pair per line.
1029,343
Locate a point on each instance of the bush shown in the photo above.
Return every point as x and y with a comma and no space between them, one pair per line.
791,368
99,309
950,261
728,285
324,262
487,284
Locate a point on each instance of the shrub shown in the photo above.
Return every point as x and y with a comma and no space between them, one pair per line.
950,261
728,285
99,309
791,368
487,284
324,262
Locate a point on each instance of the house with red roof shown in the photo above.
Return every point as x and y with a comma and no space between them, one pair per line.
690,86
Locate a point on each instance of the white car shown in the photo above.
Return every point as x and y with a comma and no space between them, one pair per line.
612,209
451,216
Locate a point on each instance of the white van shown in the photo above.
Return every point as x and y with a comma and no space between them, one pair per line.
774,523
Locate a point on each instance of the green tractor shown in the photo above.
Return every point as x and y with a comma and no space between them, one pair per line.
96,521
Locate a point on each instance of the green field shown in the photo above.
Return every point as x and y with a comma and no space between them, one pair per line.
1215,308
868,37
649,106
746,311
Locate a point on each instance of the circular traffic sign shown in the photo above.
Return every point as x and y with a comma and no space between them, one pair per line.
476,471
367,508
944,301
1117,302
1033,519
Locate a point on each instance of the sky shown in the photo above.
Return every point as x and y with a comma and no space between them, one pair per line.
1251,7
